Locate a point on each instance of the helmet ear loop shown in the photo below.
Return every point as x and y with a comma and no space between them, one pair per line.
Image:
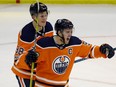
63,38
36,21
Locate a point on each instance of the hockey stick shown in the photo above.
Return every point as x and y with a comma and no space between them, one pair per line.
33,64
79,60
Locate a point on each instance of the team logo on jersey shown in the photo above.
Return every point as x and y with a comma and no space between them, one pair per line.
60,64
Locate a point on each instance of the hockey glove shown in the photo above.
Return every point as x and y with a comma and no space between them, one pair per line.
32,56
107,49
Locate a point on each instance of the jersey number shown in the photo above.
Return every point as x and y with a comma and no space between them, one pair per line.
19,50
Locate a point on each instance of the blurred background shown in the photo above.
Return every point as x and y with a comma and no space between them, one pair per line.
94,22
62,1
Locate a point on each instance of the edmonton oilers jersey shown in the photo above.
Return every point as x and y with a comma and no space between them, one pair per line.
26,41
54,64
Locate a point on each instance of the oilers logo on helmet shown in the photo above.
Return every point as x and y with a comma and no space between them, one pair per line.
60,64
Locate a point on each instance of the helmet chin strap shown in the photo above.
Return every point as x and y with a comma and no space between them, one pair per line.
62,38
36,24
36,21
35,18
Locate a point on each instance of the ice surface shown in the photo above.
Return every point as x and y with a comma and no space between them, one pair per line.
95,24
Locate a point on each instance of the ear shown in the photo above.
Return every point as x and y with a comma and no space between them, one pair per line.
59,33
33,17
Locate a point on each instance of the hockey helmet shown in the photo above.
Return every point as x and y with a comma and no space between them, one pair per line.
37,8
62,24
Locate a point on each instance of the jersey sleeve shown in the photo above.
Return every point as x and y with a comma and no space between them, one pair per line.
21,64
95,52
22,46
90,51
84,50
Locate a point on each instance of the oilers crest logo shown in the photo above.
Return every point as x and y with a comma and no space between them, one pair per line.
60,64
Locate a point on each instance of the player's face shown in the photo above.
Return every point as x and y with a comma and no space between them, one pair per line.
67,33
42,18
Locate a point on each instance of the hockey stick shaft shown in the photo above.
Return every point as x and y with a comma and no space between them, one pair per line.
79,60
31,77
33,64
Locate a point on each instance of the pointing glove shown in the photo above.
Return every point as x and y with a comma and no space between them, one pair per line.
107,49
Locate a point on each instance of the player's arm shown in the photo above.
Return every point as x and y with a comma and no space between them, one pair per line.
25,42
104,51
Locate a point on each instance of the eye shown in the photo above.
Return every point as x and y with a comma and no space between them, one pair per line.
43,16
68,31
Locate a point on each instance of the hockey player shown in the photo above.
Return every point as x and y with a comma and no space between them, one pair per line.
27,37
57,55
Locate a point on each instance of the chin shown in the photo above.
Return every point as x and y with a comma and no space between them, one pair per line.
67,41
42,25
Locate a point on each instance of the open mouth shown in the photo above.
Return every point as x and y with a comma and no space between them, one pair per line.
68,38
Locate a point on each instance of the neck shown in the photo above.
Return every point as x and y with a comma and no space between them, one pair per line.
58,40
